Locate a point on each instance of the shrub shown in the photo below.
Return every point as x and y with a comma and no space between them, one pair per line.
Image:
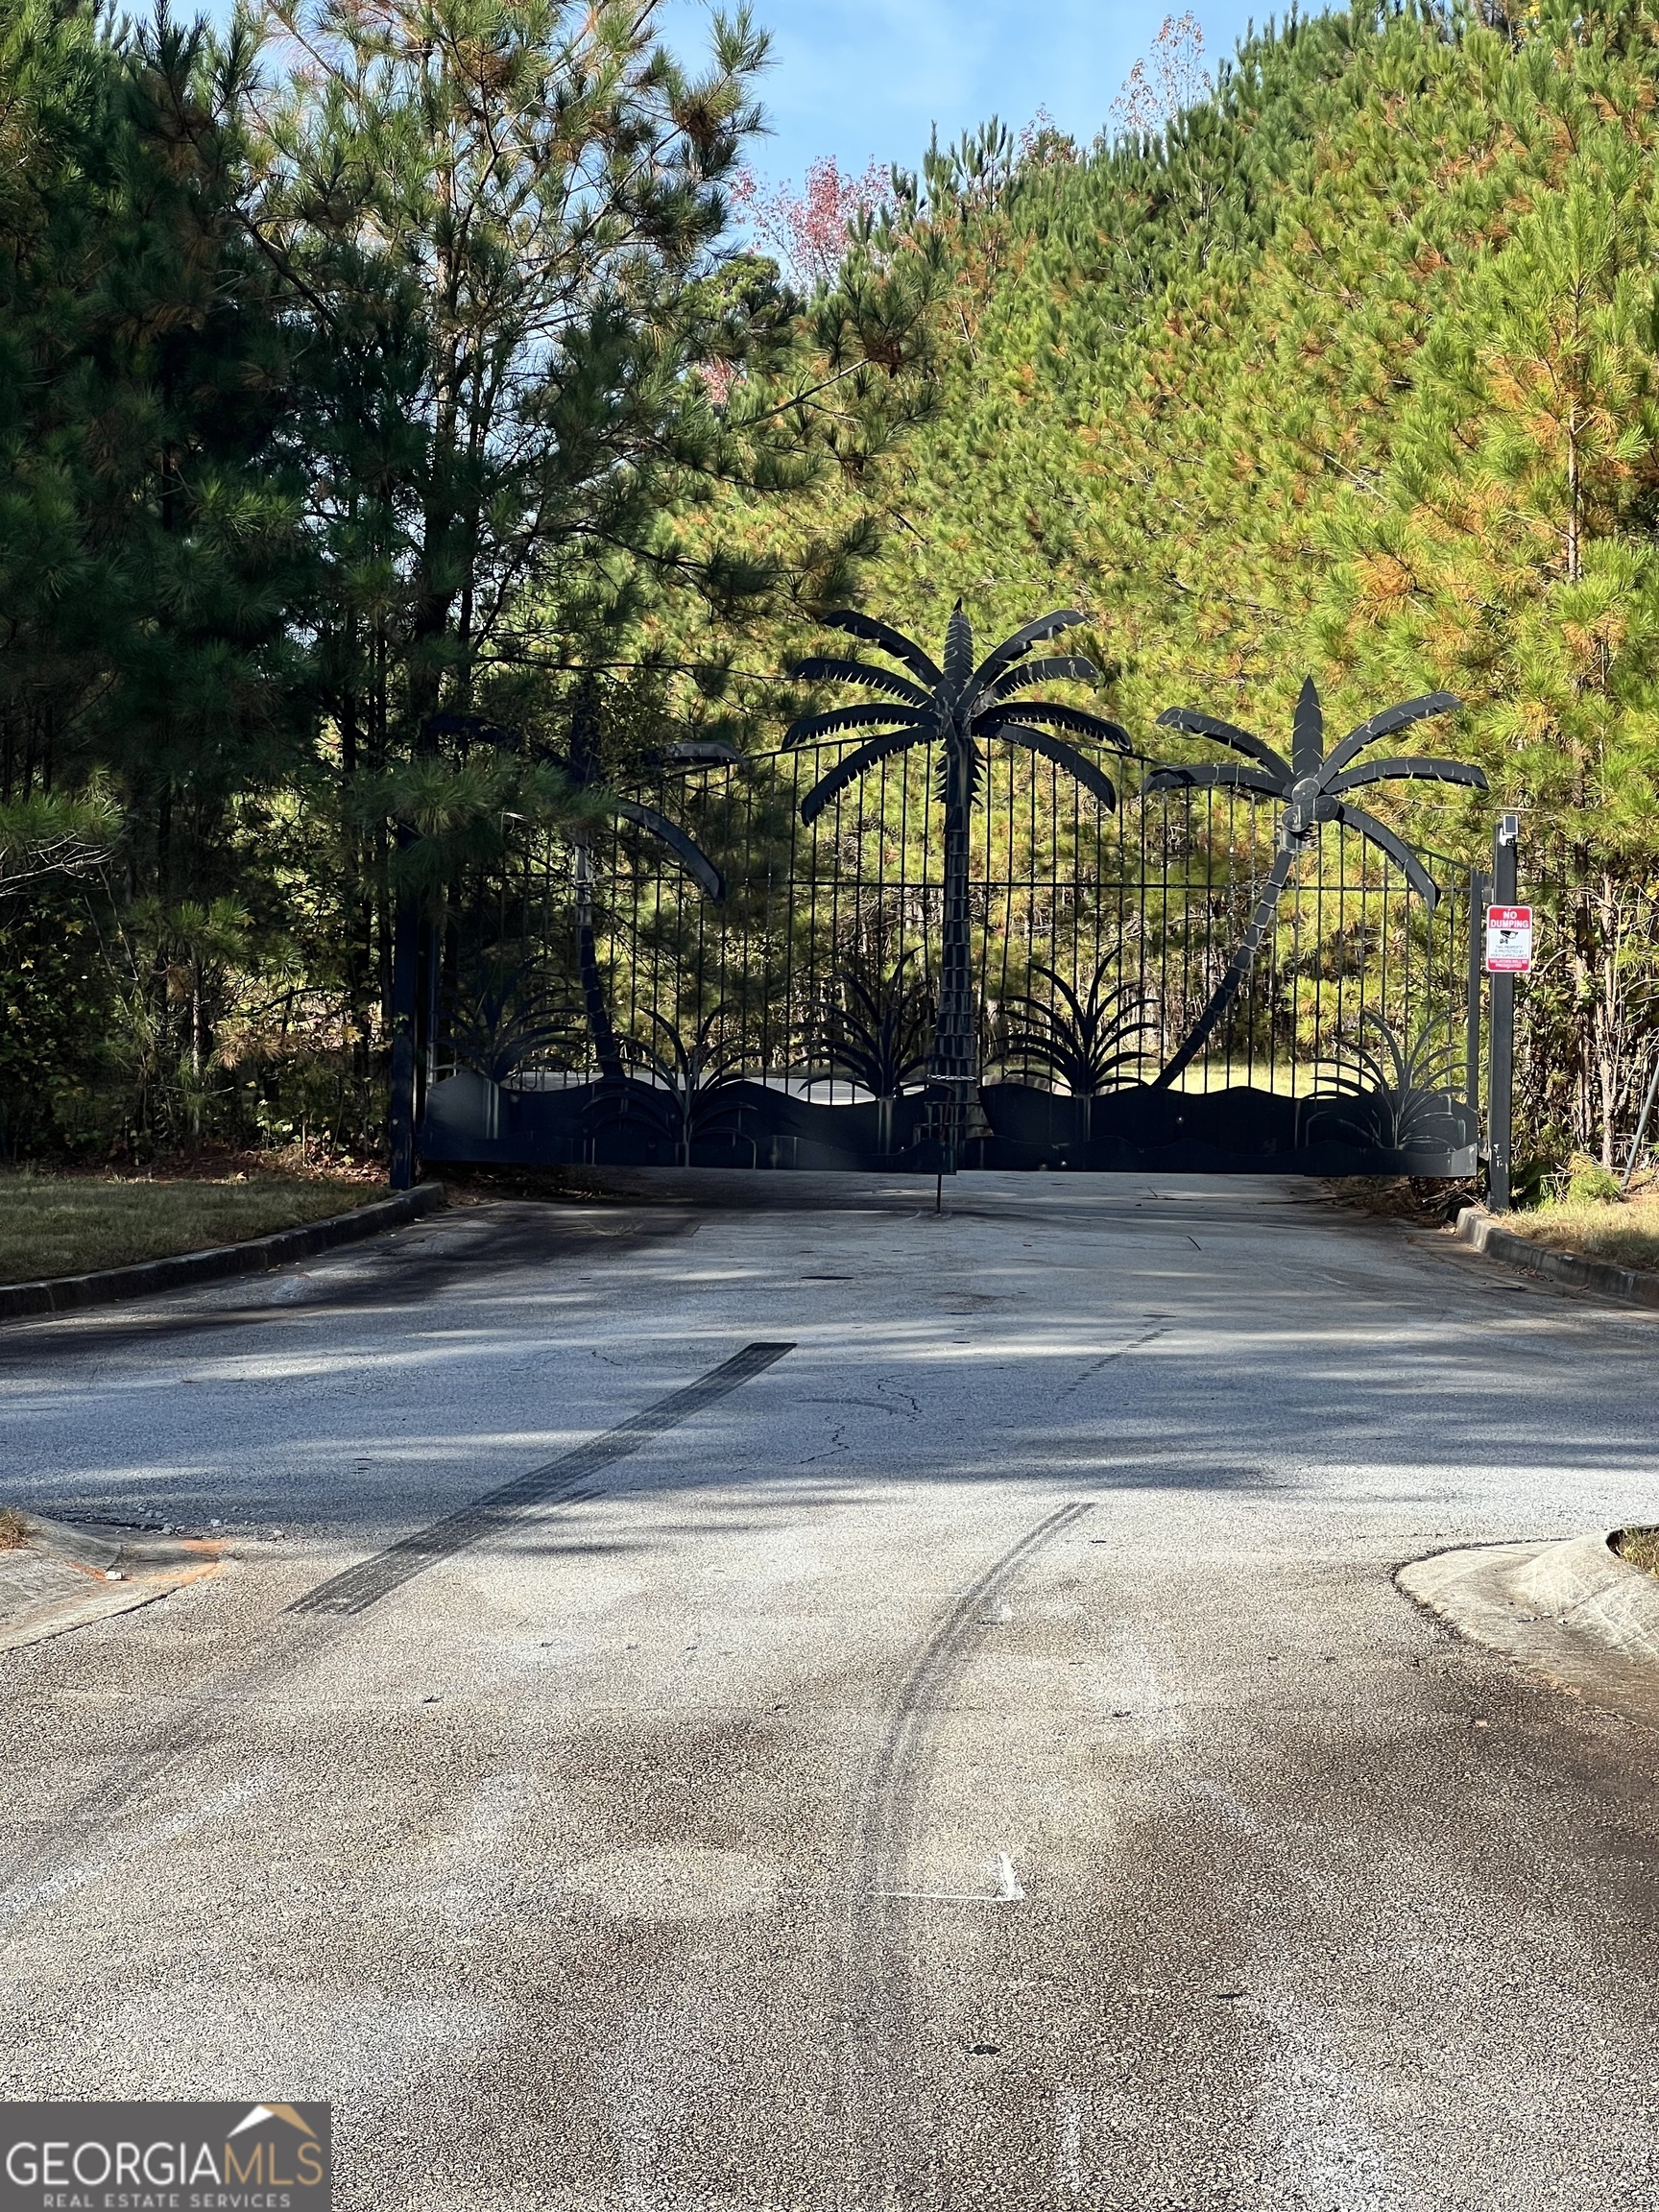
1597,1185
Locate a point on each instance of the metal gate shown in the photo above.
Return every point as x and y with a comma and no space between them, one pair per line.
1198,977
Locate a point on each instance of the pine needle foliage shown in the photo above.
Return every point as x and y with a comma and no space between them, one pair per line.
1350,369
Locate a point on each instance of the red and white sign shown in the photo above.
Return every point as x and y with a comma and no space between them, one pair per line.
1509,940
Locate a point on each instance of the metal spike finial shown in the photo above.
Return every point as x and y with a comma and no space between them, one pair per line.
959,648
1308,730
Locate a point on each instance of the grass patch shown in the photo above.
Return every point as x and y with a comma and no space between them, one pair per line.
1641,1546
72,1224
13,1529
1625,1232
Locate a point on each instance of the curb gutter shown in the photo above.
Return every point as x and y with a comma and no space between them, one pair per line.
1632,1286
68,1294
67,1578
1572,1611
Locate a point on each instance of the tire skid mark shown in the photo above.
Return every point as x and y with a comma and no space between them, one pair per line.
303,1633
1117,1352
881,2073
561,1481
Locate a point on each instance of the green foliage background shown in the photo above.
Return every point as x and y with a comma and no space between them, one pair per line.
1351,370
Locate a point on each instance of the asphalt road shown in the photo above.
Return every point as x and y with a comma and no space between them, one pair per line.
974,1757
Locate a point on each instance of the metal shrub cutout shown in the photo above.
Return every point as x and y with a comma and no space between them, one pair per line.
878,1022
504,1017
1090,1041
1399,1092
683,1094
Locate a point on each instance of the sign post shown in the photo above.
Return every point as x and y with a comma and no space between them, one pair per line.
1508,954
1641,1128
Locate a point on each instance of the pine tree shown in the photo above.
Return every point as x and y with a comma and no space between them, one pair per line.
148,550
1512,548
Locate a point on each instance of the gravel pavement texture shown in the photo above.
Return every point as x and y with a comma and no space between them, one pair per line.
976,1757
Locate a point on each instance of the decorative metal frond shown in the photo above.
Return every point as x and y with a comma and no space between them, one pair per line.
681,1092
704,1061
1353,1072
1226,778
1397,850
820,669
509,1016
1016,647
1051,668
1386,723
1407,765
834,720
1308,730
1432,1062
1077,719
904,650
690,854
1200,725
1066,757
849,770
1061,1056
958,651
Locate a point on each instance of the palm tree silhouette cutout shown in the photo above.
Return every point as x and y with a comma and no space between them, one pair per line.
958,708
1313,788
580,767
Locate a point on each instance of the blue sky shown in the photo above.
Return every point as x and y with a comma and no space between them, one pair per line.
864,80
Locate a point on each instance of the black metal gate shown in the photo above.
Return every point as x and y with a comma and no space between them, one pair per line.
703,978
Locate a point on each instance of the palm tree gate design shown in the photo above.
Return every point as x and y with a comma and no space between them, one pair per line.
925,934
958,708
1313,787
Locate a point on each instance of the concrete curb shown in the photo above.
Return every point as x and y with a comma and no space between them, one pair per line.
1632,1286
1572,1611
69,1293
69,1582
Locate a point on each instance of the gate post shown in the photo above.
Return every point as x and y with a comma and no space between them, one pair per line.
1500,1089
1479,884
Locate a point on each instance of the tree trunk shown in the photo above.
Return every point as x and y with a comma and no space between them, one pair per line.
405,987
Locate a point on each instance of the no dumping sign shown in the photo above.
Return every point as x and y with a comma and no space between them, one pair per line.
1509,940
